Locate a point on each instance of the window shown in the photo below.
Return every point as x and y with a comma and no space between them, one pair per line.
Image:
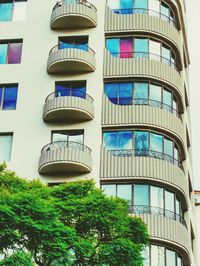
10,52
146,198
71,88
75,42
118,140
5,147
12,10
141,47
138,92
8,97
68,136
141,143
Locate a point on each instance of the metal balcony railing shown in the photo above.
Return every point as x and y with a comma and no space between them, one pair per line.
77,2
71,93
143,101
146,153
145,209
65,145
144,11
82,47
146,55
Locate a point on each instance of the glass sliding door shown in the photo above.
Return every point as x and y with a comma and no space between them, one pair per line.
114,5
141,143
126,6
154,50
109,190
156,197
156,145
110,140
126,47
167,100
169,204
141,92
170,258
166,55
155,96
157,255
154,8
125,192
141,196
140,6
113,46
125,145
165,11
125,93
141,48
168,150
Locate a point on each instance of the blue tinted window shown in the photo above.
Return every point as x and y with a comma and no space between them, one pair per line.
62,90
140,5
125,93
141,47
141,142
66,45
140,92
125,140
111,90
6,11
168,147
127,6
113,46
10,98
79,92
3,53
109,190
110,140
156,143
141,195
77,89
155,94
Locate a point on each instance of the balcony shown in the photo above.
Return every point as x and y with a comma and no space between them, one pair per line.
72,60
143,20
68,108
79,14
168,231
144,112
65,158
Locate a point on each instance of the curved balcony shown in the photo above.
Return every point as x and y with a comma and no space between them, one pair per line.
168,232
144,112
144,209
79,14
148,165
71,60
68,108
146,67
143,20
65,157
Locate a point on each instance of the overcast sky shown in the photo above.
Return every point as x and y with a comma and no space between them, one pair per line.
193,17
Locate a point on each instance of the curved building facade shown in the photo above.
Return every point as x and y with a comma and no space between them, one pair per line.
99,89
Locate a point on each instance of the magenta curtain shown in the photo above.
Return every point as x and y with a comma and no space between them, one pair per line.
126,48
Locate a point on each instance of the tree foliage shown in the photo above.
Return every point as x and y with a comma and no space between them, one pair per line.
66,225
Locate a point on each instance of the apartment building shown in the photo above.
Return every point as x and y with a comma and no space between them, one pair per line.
100,90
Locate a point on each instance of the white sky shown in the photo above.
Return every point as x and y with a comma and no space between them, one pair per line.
193,20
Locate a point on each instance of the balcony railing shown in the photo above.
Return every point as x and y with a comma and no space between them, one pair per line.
146,153
82,47
143,101
146,55
144,11
66,145
71,93
145,209
77,2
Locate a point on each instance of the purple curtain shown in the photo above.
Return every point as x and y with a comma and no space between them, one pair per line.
14,53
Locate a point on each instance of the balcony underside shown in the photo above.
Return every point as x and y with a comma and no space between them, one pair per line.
64,167
67,115
72,21
69,66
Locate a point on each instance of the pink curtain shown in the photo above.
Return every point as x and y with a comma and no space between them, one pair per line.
126,48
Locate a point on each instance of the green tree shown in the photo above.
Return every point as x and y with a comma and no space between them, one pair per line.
70,224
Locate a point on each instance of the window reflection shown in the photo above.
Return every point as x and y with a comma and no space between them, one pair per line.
8,97
71,88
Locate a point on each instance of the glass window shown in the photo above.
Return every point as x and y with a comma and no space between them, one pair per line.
127,6
141,47
76,136
140,92
141,195
125,140
156,143
109,190
156,198
126,47
71,88
170,258
6,11
114,4
169,204
3,53
141,143
113,46
166,55
19,12
167,100
110,140
155,6
146,256
165,11
168,149
154,50
143,4
59,136
179,261
157,255
14,53
124,192
5,147
125,93
1,92
10,98
111,90
80,42
155,95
